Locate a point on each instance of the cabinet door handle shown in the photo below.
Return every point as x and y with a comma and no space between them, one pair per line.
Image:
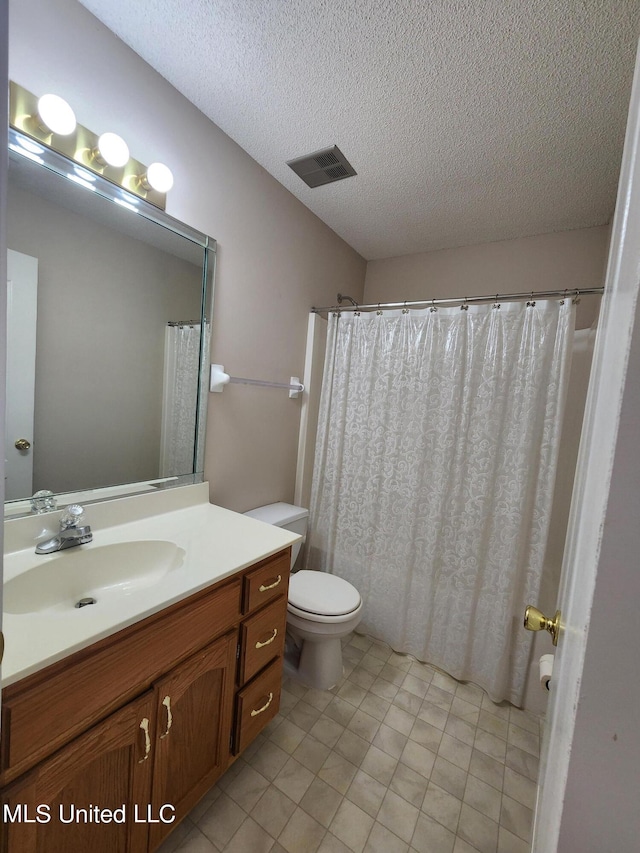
167,704
144,725
263,588
257,711
260,645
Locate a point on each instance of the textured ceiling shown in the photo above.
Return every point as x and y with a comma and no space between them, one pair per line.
466,121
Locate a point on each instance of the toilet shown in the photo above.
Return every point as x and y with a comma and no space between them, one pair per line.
322,608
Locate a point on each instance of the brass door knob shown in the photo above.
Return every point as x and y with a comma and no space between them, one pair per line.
535,620
22,444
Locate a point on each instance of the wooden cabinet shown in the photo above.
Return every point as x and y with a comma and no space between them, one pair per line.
52,808
141,724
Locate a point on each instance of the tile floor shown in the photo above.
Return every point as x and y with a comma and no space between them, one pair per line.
397,757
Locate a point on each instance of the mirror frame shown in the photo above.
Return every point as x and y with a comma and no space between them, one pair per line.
63,167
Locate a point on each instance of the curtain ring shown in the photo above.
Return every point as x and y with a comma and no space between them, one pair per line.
405,310
531,302
564,297
433,305
576,298
465,305
379,311
496,304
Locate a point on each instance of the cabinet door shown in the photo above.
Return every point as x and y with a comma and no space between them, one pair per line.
108,768
193,729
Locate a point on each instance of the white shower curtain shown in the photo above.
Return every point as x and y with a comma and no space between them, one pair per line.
180,396
433,477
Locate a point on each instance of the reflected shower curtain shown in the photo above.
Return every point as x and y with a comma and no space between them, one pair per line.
180,397
433,477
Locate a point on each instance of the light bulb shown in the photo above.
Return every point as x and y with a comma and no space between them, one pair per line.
159,177
113,149
56,114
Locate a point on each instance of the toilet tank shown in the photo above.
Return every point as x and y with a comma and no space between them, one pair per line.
293,518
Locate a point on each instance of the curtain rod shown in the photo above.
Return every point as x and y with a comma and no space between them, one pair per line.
573,293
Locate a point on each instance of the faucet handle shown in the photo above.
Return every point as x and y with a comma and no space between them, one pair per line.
73,516
43,501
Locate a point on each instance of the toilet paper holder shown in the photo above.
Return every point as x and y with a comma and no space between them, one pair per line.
546,671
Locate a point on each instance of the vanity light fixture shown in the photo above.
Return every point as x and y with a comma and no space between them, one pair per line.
49,122
158,177
111,150
55,115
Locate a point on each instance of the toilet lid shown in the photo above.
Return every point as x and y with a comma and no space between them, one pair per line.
322,593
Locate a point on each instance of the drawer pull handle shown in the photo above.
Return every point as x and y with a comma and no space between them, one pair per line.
260,645
263,588
255,711
144,725
167,704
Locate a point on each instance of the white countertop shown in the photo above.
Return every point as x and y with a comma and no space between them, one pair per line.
217,543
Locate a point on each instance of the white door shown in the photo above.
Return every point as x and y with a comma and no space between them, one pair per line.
591,490
22,296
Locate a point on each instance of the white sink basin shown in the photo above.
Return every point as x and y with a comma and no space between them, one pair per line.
104,573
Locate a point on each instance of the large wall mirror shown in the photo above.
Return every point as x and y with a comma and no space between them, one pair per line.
109,312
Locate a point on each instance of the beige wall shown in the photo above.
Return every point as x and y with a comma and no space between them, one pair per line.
104,300
566,259
275,260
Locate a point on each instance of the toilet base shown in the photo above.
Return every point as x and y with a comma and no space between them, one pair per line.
314,664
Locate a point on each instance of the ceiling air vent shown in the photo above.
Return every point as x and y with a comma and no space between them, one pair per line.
322,167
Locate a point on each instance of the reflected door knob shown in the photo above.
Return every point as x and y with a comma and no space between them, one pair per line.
22,444
535,620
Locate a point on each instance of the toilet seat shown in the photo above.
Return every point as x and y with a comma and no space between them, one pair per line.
322,597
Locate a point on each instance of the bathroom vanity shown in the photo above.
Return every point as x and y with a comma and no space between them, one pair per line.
119,716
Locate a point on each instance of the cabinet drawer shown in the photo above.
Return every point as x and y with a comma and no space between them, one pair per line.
262,638
257,704
268,580
66,698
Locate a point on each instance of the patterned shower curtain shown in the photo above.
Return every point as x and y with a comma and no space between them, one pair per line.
434,472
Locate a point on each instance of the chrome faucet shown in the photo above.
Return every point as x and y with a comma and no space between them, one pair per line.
73,531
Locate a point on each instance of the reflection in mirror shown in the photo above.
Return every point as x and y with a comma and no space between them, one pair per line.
109,303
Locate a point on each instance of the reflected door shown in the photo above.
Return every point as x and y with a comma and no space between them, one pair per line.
22,298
